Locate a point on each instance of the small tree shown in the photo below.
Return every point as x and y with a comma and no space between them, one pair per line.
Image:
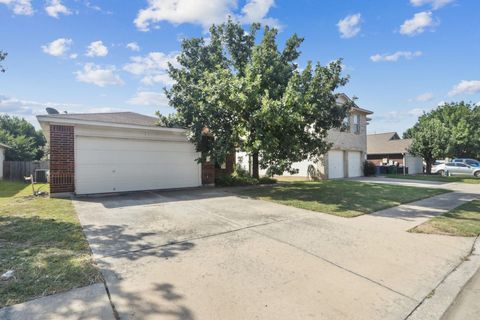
232,92
430,140
26,143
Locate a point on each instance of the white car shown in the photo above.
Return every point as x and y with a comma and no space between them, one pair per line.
456,168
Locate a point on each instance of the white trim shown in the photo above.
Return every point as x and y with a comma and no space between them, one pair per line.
63,121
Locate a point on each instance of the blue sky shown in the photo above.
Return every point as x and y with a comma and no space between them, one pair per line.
403,56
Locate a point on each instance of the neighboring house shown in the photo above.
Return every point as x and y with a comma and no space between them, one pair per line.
122,151
3,147
348,152
389,149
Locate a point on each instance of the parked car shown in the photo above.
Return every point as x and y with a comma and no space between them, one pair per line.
456,168
470,162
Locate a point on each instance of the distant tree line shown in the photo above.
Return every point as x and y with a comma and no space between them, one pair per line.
25,142
451,130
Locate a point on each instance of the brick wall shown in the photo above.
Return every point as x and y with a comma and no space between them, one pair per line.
208,173
62,159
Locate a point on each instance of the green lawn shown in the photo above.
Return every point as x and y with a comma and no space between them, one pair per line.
339,197
436,177
42,240
462,221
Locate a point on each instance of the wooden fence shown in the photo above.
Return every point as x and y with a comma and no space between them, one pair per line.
17,170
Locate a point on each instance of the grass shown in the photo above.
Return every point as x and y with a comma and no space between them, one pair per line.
339,197
462,221
42,240
436,177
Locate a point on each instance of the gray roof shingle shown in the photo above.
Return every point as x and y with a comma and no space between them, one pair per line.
387,143
131,118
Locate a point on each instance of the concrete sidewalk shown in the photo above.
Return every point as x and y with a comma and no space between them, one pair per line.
82,303
467,304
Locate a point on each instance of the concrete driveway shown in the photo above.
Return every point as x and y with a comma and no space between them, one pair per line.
208,254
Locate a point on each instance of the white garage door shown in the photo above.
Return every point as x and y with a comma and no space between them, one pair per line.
335,164
112,165
354,164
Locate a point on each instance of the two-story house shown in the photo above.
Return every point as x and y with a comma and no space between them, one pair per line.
347,154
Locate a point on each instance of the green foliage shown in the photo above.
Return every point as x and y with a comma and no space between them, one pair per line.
172,120
3,56
451,130
251,96
24,141
235,180
369,168
267,180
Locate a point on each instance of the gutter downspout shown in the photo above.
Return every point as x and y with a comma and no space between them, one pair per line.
404,163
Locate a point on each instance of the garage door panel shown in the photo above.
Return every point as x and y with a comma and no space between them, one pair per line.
335,164
109,164
354,164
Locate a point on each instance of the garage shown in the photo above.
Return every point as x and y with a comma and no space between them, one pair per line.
335,164
116,152
113,165
354,164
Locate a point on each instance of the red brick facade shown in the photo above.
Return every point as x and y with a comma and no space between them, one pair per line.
62,159
209,172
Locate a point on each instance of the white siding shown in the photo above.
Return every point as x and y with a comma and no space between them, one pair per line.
414,164
2,158
111,164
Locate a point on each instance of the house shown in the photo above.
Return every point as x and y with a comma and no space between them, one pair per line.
121,151
3,147
387,148
348,152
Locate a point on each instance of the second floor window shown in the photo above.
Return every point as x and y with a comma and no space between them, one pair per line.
356,124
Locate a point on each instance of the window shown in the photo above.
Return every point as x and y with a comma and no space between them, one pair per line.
356,124
345,125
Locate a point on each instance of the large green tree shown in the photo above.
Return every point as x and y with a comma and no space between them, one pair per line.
25,142
460,132
430,140
237,91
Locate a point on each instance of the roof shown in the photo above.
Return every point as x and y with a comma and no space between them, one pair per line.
4,146
131,118
355,107
387,143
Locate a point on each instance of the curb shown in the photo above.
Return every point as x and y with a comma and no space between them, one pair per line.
434,307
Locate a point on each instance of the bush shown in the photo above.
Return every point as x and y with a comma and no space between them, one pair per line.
267,180
369,168
241,180
235,180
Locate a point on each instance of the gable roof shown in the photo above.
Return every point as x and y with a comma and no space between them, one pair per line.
387,143
355,106
131,118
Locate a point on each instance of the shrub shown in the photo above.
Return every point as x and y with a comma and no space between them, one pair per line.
267,180
235,180
369,168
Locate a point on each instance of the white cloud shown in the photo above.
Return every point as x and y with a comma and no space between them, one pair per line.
395,56
100,76
349,26
152,67
203,12
55,7
20,7
418,24
57,47
436,4
133,46
256,11
149,98
465,87
97,49
28,109
424,97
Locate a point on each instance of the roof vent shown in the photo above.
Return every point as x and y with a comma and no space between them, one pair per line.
52,111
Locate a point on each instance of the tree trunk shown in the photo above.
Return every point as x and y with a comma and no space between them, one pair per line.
255,173
428,169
